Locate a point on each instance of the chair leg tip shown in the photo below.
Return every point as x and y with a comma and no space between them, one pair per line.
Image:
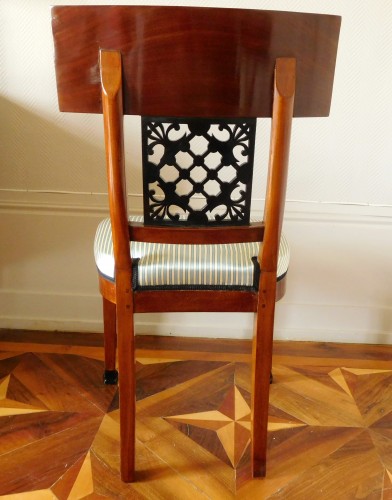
271,378
110,377
259,470
127,478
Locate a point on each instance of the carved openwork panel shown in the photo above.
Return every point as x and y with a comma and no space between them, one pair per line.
197,171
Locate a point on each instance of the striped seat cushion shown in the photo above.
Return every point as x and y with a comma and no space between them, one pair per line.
156,265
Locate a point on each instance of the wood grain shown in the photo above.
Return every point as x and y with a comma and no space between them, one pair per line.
329,423
112,103
188,301
218,62
284,93
196,235
197,62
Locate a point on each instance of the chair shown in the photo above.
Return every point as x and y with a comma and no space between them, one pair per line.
199,77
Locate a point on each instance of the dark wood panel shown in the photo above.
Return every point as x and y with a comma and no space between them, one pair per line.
218,62
196,235
194,301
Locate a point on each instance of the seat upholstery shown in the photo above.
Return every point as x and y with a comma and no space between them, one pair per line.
162,266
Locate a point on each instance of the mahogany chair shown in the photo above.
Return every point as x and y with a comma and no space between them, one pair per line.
199,77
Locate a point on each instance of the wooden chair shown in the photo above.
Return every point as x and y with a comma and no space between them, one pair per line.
196,76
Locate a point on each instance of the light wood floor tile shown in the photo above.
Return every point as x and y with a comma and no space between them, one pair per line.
330,422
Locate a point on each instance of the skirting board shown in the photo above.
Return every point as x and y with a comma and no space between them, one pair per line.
324,323
338,284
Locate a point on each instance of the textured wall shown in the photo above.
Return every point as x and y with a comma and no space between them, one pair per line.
340,191
346,158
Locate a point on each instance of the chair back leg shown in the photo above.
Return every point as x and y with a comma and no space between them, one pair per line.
261,372
110,375
127,392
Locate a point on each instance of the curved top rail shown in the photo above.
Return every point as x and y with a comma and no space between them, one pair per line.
192,61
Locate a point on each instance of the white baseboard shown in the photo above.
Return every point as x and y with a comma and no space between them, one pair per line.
50,311
338,289
300,322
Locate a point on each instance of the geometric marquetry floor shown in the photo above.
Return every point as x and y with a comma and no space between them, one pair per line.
330,425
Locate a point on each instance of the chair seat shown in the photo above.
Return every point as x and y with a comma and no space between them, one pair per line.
167,266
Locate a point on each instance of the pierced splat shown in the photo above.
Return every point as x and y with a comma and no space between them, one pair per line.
197,171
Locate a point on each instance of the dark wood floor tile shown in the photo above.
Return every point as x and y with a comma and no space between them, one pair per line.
278,415
242,376
372,393
19,392
154,378
8,364
54,392
191,396
18,431
313,402
330,425
357,459
385,421
293,450
382,440
39,465
83,374
107,484
322,374
106,445
213,478
203,436
63,486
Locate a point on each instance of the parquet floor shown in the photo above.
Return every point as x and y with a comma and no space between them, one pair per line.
330,427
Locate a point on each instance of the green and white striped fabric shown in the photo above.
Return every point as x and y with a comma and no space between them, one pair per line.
187,266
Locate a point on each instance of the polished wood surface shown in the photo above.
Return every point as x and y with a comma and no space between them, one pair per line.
284,93
196,62
218,62
128,302
195,301
329,424
122,314
190,301
110,339
196,235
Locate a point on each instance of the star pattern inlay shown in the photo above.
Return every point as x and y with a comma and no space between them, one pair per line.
323,419
9,407
231,422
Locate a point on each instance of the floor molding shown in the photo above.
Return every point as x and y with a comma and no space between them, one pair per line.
308,322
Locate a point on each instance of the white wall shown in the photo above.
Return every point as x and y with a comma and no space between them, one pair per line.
338,215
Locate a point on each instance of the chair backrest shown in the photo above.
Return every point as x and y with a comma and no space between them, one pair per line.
190,61
215,65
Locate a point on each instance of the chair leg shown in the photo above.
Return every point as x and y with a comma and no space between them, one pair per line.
110,375
126,363
261,373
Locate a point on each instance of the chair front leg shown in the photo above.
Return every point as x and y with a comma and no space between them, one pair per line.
261,371
110,375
